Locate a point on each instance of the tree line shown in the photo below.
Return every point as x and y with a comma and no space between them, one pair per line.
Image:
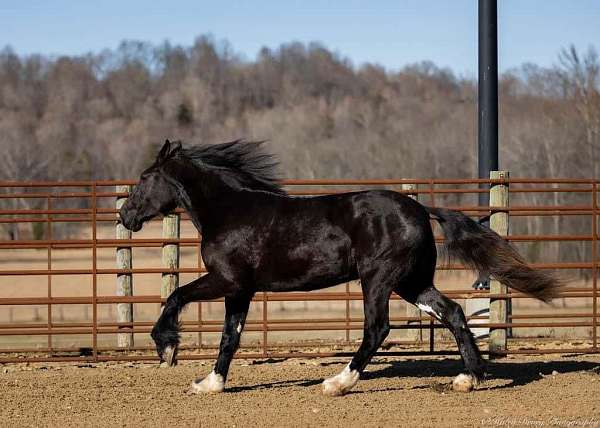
102,115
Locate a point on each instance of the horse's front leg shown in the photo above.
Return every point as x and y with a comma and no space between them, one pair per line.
236,310
376,294
166,330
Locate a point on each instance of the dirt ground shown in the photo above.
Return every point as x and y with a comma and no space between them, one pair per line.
551,390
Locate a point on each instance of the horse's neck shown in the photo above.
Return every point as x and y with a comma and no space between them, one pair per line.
188,201
201,194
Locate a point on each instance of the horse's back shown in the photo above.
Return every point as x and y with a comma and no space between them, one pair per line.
321,241
391,233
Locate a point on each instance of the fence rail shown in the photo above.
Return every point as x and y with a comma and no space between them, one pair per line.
66,231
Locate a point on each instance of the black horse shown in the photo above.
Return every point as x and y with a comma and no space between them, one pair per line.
257,238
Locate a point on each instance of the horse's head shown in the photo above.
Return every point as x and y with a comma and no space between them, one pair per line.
154,194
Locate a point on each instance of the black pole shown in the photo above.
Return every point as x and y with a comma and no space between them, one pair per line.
488,90
488,102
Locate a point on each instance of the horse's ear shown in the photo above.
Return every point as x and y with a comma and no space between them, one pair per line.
175,147
164,152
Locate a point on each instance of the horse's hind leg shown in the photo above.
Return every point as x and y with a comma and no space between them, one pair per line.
376,328
433,302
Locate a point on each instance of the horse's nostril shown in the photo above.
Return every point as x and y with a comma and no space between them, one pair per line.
126,217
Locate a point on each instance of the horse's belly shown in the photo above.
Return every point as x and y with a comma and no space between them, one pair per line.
309,281
309,266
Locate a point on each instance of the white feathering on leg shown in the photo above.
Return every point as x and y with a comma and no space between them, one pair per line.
341,383
463,383
212,383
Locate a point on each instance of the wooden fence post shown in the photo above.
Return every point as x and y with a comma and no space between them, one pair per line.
498,223
170,255
125,280
411,310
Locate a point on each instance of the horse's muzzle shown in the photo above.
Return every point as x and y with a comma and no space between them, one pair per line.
129,219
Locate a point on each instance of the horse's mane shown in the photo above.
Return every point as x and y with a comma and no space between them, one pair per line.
243,162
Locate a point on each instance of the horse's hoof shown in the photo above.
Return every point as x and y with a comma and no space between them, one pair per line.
332,388
211,384
341,383
169,355
463,383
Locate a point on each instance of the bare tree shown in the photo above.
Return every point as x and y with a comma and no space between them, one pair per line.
581,80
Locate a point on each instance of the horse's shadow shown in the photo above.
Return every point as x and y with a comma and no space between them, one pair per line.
271,385
517,373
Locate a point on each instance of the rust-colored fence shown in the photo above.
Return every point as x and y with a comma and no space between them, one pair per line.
58,277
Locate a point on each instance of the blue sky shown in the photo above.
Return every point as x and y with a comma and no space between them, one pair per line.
391,33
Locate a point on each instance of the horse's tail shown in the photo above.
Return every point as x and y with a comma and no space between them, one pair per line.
485,251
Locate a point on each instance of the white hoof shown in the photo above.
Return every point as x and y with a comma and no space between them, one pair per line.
211,384
340,383
463,383
169,357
